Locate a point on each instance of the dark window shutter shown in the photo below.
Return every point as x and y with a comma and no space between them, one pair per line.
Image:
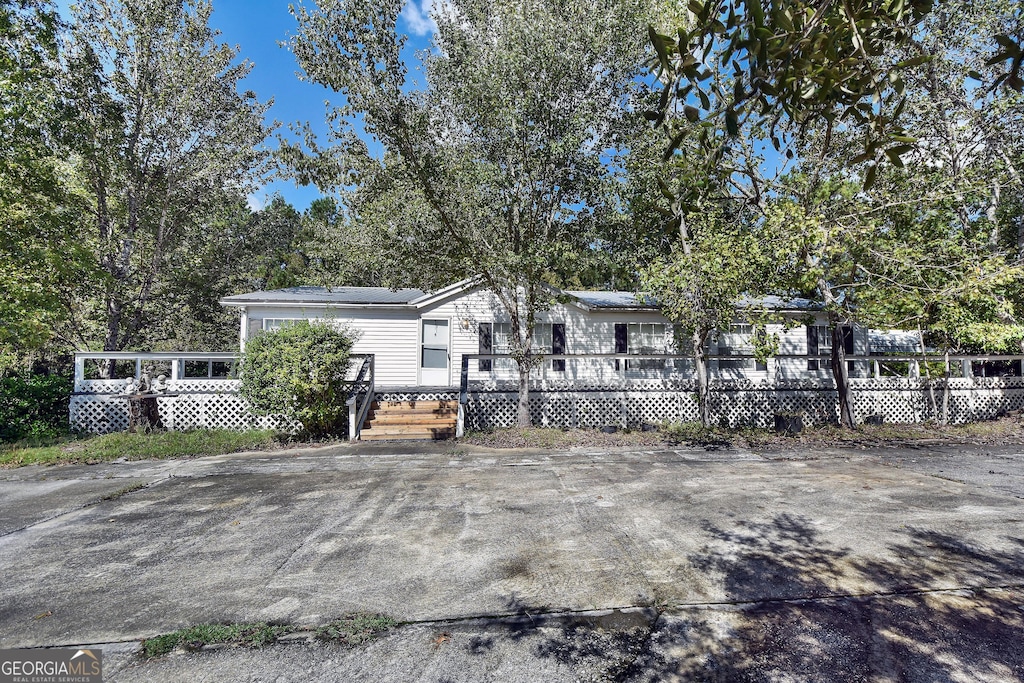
621,340
558,346
485,346
812,346
848,346
255,327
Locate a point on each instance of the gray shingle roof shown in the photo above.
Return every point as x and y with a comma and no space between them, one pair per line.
321,295
611,299
382,296
628,300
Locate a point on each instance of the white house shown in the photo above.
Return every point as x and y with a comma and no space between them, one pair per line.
419,338
419,341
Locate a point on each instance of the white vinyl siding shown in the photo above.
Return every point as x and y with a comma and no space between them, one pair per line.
394,335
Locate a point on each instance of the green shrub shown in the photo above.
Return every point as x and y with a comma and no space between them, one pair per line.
299,371
33,406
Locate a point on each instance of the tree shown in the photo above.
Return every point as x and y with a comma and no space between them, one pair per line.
804,64
161,137
36,248
931,245
824,236
697,286
497,158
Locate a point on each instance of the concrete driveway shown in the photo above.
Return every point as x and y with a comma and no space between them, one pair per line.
891,564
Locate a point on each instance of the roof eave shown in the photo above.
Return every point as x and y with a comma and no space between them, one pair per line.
312,304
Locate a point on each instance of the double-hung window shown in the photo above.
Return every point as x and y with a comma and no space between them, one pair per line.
271,324
548,339
819,343
739,341
641,339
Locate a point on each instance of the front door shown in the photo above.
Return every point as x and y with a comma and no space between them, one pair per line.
434,356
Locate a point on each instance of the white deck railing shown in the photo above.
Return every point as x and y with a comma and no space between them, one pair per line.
201,390
603,389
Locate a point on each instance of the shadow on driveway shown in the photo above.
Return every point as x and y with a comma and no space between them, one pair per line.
970,628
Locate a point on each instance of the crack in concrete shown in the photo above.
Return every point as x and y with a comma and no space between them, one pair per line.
88,504
652,616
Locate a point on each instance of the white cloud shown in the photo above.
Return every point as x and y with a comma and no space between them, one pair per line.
255,202
417,17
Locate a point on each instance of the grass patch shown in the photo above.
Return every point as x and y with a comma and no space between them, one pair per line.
355,629
257,634
156,445
351,630
134,486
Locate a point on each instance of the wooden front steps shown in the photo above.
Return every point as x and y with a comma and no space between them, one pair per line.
423,420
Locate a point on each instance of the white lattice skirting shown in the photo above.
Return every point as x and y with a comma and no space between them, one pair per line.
747,404
104,413
896,401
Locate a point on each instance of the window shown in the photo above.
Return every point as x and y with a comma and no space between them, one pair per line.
212,369
271,324
645,339
819,343
739,341
548,338
641,339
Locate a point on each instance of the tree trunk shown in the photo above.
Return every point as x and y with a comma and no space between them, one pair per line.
523,403
700,363
111,341
842,378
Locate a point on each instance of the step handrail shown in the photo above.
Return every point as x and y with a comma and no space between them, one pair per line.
357,417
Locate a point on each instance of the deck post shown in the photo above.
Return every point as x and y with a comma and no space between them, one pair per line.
351,403
460,420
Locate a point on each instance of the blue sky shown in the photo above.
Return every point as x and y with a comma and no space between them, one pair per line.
256,27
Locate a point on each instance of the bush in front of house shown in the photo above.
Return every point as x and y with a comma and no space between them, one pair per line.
33,406
299,371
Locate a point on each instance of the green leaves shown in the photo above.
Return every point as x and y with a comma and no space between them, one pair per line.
299,371
794,65
1009,50
732,123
